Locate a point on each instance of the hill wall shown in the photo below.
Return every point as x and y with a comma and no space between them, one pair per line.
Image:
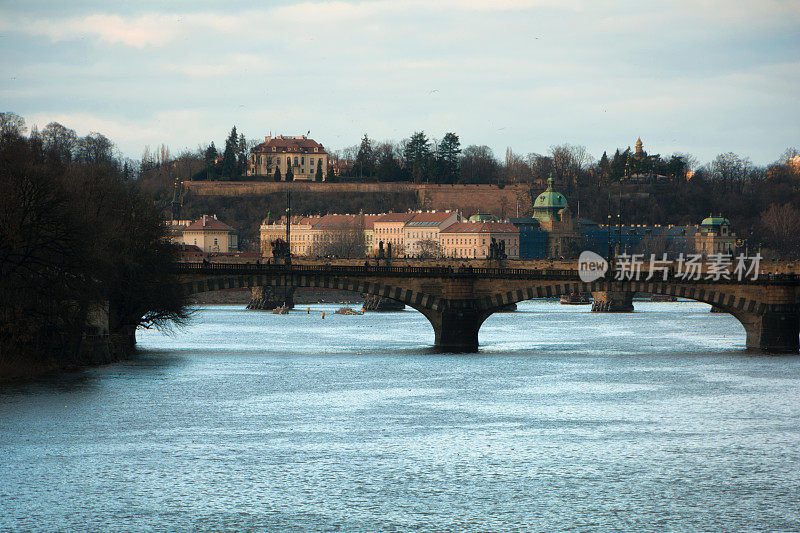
468,199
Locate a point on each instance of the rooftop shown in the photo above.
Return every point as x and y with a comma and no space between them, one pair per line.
481,227
288,144
208,223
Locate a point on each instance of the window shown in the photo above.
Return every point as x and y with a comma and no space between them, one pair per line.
295,160
311,160
302,160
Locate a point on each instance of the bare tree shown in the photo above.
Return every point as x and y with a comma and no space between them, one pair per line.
429,249
59,141
12,124
569,161
780,223
345,242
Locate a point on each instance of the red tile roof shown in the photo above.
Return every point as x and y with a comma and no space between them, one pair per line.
481,227
289,145
208,223
395,217
438,216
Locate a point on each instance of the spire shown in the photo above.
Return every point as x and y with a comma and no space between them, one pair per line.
550,182
639,147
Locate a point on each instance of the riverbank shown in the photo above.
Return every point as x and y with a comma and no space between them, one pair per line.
93,351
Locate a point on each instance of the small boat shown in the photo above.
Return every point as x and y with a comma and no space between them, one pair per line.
281,310
348,311
576,298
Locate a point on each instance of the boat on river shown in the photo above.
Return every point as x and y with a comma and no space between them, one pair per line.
576,298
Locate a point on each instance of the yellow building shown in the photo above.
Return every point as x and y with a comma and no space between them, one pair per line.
210,235
307,235
421,233
390,229
306,157
471,240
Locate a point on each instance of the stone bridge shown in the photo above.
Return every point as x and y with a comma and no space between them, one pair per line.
457,301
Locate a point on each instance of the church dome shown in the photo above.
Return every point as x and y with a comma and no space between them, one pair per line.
715,221
550,198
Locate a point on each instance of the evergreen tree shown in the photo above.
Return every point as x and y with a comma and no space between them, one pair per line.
417,154
229,156
365,159
289,172
210,158
604,169
447,162
277,176
241,153
318,175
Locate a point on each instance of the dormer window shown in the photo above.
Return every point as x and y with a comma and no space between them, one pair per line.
316,149
273,148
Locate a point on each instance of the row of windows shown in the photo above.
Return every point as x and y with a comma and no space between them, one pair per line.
387,230
302,160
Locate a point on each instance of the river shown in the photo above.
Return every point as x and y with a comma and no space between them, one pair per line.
565,420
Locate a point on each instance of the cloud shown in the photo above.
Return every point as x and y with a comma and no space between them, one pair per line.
160,29
234,64
140,32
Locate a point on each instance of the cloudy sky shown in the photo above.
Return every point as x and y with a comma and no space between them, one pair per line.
699,76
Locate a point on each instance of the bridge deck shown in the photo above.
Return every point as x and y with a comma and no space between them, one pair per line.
447,272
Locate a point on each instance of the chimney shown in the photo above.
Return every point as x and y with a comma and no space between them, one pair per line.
204,221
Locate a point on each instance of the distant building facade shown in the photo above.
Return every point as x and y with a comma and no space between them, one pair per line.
472,240
210,235
390,229
715,236
305,157
421,233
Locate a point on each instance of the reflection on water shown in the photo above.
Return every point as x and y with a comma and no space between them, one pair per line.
565,419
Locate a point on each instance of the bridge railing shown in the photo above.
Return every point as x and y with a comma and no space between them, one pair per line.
436,272
342,270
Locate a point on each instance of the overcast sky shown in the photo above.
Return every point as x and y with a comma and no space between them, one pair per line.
700,76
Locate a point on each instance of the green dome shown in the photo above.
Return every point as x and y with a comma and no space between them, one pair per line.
483,217
715,221
550,198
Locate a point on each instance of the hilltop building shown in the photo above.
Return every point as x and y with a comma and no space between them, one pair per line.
307,158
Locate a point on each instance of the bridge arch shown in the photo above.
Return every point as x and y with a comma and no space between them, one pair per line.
415,299
768,327
715,295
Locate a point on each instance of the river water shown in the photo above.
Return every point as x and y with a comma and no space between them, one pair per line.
566,420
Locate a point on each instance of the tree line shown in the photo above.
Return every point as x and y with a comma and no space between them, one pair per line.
76,233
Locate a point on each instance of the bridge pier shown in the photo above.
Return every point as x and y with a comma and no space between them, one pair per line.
269,297
456,327
773,331
612,302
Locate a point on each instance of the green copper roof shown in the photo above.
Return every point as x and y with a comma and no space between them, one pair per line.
483,217
550,198
715,221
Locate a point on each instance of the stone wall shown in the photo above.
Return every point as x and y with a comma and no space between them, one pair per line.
468,199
